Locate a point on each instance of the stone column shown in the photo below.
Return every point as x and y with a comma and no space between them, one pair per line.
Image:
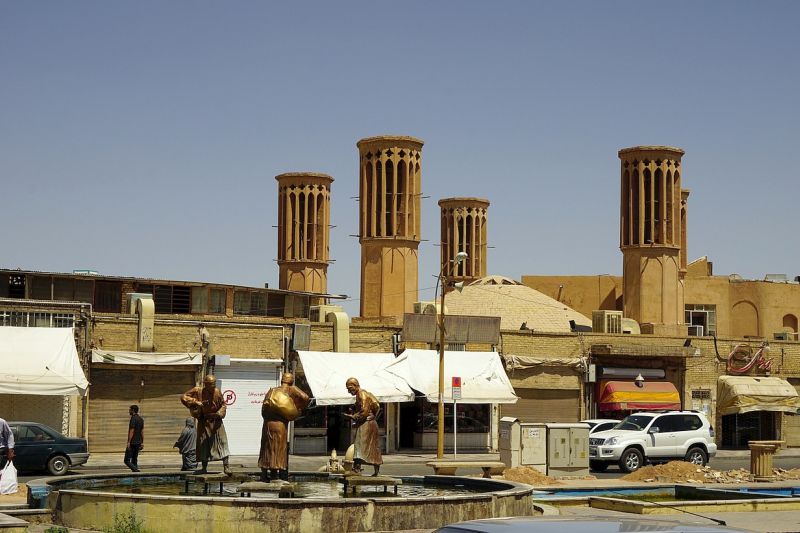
761,454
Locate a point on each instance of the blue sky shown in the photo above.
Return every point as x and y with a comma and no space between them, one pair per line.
142,138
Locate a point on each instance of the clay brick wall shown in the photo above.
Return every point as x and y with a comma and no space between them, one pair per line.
254,340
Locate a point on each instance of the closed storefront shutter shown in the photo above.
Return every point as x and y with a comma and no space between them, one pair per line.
792,422
244,384
544,405
156,392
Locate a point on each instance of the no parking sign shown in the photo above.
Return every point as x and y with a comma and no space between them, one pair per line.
456,387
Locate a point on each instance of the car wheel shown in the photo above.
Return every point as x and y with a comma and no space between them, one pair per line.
631,460
598,466
697,456
58,465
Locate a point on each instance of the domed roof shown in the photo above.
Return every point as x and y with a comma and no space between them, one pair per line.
515,304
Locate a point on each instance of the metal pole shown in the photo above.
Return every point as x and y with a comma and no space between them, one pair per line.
454,427
440,425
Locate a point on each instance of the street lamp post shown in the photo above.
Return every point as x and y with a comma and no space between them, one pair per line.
443,277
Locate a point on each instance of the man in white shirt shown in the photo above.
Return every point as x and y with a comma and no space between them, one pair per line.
6,443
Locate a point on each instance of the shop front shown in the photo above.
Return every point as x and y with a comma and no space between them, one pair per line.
43,380
323,427
472,421
153,381
752,408
243,384
407,387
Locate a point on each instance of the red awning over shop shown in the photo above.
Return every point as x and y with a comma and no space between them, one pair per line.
627,396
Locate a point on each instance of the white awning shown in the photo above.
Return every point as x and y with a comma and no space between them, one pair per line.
40,361
483,379
327,372
145,358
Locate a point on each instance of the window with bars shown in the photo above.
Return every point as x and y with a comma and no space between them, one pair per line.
108,297
36,319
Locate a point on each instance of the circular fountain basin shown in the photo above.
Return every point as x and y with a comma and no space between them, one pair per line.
160,502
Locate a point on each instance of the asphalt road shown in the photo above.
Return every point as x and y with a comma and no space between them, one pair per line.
399,469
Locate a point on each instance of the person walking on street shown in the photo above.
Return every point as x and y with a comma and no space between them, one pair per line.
6,443
187,445
135,439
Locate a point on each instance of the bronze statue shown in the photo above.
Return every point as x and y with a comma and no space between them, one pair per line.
206,404
281,405
367,439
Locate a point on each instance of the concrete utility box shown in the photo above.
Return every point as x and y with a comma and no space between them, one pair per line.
567,450
523,444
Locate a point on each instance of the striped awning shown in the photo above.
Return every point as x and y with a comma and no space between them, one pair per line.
628,396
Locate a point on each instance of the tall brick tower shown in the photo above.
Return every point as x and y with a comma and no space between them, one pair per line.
304,216
651,238
389,224
464,230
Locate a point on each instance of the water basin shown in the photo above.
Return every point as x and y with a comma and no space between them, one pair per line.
161,503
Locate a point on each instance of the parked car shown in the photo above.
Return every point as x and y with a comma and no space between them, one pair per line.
39,447
653,437
528,524
600,424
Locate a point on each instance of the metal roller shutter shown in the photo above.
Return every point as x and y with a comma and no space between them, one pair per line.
113,391
48,410
544,405
244,384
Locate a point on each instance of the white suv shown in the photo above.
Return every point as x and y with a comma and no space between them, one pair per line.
654,437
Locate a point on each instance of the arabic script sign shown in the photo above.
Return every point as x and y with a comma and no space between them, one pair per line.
742,359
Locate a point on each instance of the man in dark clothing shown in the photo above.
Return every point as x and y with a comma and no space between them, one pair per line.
187,445
135,439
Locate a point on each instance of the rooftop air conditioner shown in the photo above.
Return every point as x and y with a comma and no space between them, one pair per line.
782,336
604,321
319,313
425,308
695,331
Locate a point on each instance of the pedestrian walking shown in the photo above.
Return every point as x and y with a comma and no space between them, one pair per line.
187,445
135,438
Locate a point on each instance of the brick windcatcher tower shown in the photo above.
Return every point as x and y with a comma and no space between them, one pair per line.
464,230
389,224
304,216
652,238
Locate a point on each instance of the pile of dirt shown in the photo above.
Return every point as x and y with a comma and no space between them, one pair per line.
683,472
531,476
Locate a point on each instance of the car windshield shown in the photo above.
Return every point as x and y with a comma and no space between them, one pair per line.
634,422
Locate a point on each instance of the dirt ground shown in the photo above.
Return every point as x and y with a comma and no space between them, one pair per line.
531,476
681,471
20,496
